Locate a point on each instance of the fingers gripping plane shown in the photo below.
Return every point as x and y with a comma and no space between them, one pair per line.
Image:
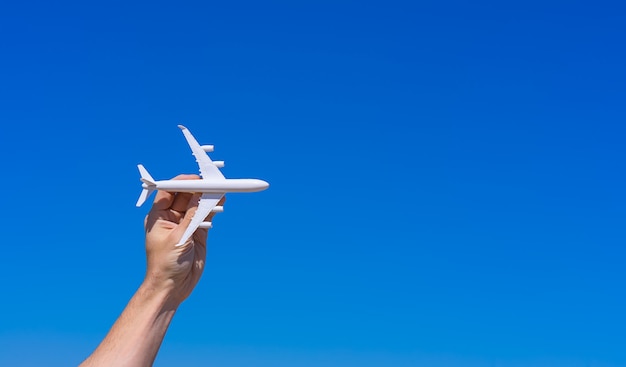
213,185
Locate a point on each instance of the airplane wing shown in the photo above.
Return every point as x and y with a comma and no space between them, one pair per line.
208,170
206,204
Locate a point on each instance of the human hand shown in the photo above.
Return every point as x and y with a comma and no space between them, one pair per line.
175,269
172,273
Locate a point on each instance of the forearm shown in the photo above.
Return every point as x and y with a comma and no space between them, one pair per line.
136,336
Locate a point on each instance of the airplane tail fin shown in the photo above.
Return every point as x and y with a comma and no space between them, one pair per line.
149,182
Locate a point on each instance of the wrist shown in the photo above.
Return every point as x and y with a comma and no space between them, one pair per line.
162,292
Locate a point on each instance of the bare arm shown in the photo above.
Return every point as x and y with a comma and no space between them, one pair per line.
172,273
136,336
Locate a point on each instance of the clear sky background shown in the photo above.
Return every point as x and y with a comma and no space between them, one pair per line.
447,178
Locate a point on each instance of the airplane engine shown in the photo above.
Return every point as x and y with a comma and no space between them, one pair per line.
205,225
218,164
208,148
218,209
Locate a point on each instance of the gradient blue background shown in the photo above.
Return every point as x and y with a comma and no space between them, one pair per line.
447,178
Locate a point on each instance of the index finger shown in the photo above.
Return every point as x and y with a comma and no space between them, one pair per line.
164,199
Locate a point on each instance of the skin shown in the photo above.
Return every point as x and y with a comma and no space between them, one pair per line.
172,273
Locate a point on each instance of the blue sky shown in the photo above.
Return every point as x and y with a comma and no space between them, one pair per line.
447,178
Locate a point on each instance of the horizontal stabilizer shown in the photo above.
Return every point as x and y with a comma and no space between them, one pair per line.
145,193
145,176
149,185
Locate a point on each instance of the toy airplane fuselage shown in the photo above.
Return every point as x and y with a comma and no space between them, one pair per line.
213,185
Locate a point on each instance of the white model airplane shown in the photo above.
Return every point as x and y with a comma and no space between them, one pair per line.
213,185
